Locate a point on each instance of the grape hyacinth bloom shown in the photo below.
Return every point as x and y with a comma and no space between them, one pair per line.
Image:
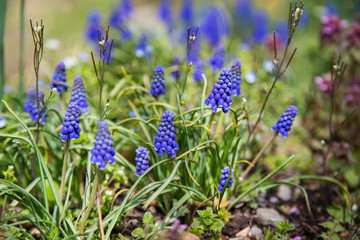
59,76
215,25
143,49
220,96
236,78
158,82
118,20
224,177
331,29
165,13
78,95
30,105
244,14
92,26
141,160
103,147
199,70
71,128
286,120
165,139
217,59
187,11
261,20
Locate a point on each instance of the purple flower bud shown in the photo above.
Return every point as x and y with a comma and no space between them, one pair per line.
78,95
158,82
236,78
286,120
165,139
141,160
224,177
59,76
30,106
223,88
71,128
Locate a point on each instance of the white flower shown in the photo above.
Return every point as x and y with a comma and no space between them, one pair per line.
108,192
268,65
37,29
10,167
298,13
70,61
250,77
102,42
244,100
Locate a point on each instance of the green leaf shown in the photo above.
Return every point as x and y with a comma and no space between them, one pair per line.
217,225
148,218
196,224
138,232
208,221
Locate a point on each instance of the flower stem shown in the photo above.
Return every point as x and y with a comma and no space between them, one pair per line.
204,136
253,162
66,156
91,200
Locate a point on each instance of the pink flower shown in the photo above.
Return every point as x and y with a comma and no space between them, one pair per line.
331,29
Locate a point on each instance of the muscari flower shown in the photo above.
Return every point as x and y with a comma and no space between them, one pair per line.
286,120
244,15
215,25
220,96
158,82
92,25
187,12
71,128
224,177
236,78
198,71
103,147
141,160
261,20
117,20
165,139
165,13
128,7
78,95
30,105
59,76
143,49
217,59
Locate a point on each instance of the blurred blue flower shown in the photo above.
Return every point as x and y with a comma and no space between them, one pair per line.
281,29
70,125
118,20
243,18
30,106
220,95
78,95
187,12
141,160
128,7
198,71
268,65
8,89
286,120
59,76
215,25
226,172
331,8
261,20
158,82
93,23
217,59
165,13
103,147
165,139
143,49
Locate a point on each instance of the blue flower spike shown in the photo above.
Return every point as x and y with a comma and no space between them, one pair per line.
224,177
198,71
220,96
236,78
71,128
30,105
141,160
78,95
217,59
103,147
165,139
158,82
286,120
59,76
